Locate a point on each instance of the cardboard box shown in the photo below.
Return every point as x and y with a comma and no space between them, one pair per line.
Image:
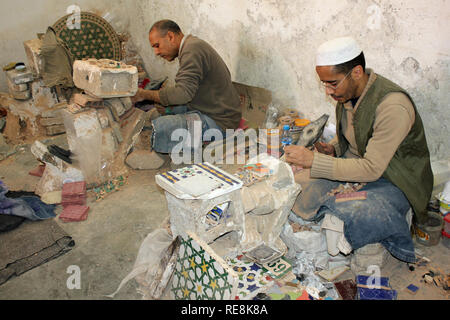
254,103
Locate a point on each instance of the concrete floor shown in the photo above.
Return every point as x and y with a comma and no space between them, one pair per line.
106,244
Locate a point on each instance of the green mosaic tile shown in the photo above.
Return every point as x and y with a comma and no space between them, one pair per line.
199,276
95,39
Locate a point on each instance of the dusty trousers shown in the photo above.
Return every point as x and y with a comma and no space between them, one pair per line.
379,218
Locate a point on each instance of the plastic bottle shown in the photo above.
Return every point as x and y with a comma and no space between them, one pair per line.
271,117
286,138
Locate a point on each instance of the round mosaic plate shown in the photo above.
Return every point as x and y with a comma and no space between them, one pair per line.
94,39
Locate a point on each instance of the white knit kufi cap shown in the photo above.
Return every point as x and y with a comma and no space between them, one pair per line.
337,51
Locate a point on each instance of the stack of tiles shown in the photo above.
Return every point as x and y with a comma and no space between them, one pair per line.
73,200
52,120
18,79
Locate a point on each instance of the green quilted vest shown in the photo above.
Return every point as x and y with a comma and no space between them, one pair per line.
410,167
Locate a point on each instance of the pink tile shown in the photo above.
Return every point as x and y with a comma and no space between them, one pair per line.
74,213
74,188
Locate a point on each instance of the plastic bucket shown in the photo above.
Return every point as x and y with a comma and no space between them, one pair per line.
430,233
446,239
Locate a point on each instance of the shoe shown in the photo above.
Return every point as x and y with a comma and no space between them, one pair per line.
60,153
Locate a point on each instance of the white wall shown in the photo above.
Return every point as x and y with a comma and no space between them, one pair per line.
272,43
21,20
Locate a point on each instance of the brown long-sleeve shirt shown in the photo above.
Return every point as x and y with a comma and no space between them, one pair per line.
393,120
203,83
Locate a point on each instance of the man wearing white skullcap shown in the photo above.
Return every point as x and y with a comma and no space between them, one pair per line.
337,51
379,147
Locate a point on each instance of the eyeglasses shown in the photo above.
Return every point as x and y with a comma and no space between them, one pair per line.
334,87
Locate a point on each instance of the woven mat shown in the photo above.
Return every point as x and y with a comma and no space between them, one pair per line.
30,245
95,38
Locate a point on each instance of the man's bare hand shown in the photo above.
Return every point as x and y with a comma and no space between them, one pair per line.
325,148
299,156
139,96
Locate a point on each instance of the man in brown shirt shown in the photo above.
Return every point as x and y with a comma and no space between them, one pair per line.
203,89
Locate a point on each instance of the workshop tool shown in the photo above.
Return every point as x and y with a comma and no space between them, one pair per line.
312,132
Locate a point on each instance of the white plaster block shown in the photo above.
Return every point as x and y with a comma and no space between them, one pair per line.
84,136
86,124
105,78
190,215
33,52
109,144
43,97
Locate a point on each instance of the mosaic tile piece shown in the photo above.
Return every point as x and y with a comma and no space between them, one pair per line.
200,274
252,278
383,292
263,254
347,289
278,269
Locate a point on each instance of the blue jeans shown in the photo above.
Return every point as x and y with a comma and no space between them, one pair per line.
30,207
164,126
379,218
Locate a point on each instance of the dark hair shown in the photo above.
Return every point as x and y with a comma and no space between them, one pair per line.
347,66
164,26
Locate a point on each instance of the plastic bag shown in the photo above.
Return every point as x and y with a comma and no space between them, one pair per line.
309,241
148,258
